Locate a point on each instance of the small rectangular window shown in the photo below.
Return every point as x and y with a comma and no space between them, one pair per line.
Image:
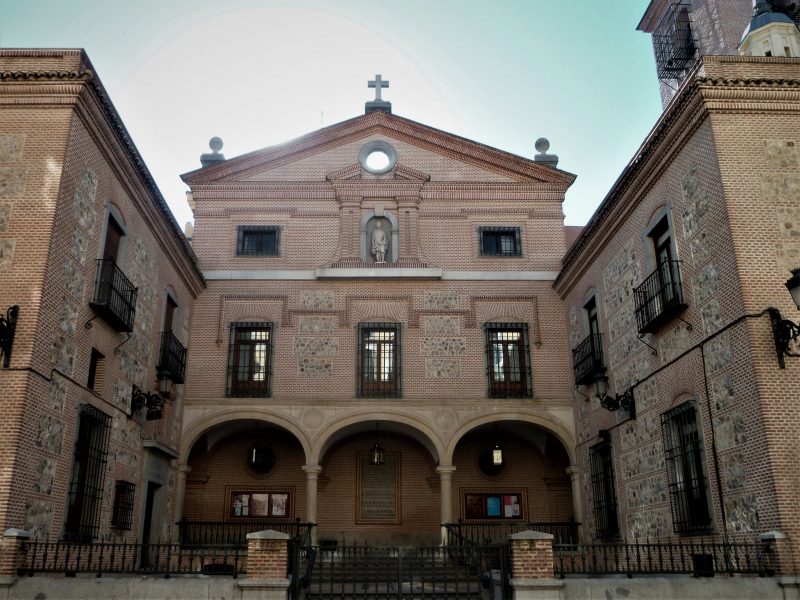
500,241
262,240
378,360
683,451
122,514
96,370
508,360
250,360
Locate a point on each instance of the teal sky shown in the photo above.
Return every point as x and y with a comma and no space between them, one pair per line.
257,73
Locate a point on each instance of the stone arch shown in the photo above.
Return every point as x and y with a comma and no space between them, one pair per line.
547,422
410,425
194,431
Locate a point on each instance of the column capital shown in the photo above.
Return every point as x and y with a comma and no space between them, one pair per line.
446,470
312,469
573,470
184,469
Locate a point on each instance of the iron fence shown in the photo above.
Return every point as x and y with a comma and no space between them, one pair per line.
699,558
565,532
234,532
153,559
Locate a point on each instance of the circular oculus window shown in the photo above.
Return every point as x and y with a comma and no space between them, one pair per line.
377,157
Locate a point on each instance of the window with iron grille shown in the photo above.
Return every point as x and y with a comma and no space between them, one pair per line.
122,515
500,241
673,41
88,471
604,495
258,240
379,360
508,360
683,450
250,360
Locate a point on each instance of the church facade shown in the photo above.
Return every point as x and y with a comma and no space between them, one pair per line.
408,305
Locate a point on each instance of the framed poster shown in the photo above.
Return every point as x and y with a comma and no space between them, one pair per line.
493,507
259,505
473,506
511,506
280,505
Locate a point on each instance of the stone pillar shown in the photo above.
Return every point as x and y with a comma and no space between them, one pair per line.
407,213
532,575
312,473
574,473
350,217
445,497
779,556
12,554
267,559
180,490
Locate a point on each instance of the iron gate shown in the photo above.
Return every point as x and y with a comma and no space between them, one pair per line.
401,573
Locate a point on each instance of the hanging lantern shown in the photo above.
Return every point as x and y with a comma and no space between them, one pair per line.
377,455
497,456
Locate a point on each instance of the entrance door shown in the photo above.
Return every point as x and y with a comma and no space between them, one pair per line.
148,523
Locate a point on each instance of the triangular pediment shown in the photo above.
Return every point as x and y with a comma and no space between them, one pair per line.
423,154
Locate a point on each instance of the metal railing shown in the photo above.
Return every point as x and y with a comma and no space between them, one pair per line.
172,359
234,532
565,532
703,558
467,571
587,359
659,297
70,558
114,296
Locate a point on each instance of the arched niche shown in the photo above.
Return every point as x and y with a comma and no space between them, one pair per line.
368,222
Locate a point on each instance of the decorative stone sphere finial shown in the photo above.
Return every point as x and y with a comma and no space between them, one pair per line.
542,145
215,143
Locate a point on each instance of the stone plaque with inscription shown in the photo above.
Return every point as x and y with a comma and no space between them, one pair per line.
378,499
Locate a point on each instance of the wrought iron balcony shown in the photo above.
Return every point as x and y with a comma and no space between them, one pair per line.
172,359
659,297
587,359
114,296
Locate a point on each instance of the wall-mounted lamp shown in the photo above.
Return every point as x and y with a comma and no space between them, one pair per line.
624,401
164,383
785,331
152,402
8,325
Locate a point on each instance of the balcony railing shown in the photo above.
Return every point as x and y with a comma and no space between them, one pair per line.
587,359
659,297
172,360
114,296
234,533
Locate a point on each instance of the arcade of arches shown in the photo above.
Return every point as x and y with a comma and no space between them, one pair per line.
249,470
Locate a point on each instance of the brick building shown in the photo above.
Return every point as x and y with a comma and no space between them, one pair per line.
388,332
93,259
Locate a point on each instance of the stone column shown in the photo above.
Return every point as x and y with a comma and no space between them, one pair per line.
180,490
445,497
267,559
12,555
532,574
574,473
312,473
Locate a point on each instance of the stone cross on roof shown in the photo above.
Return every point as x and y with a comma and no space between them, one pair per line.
378,83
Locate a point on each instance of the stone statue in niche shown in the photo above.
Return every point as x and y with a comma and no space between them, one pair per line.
379,243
